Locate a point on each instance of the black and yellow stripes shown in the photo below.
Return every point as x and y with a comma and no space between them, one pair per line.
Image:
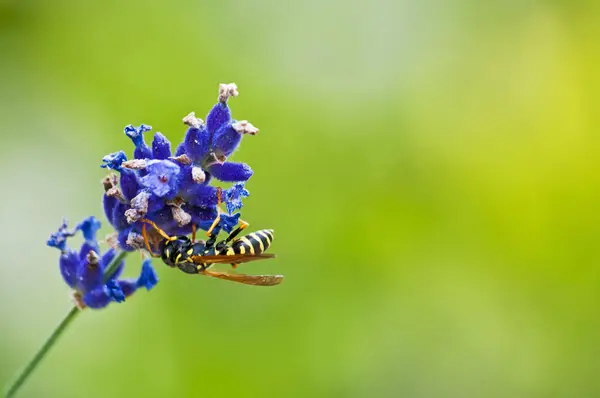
252,244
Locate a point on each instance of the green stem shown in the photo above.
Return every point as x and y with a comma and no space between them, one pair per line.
14,387
113,265
42,352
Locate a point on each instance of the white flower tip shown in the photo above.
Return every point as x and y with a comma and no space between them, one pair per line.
110,181
116,193
180,216
112,240
244,127
226,91
183,159
135,240
77,299
132,215
135,164
198,175
92,258
191,120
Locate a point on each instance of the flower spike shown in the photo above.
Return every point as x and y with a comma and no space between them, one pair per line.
85,273
174,189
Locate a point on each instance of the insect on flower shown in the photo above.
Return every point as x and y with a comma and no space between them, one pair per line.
176,189
195,257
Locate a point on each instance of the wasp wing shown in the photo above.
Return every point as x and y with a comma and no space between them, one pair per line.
234,259
256,280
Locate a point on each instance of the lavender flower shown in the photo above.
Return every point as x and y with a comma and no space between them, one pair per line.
83,270
174,190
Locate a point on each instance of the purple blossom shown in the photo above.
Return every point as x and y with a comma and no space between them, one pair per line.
174,190
137,137
114,160
84,272
162,178
234,195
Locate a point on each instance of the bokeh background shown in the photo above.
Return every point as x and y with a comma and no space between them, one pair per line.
430,168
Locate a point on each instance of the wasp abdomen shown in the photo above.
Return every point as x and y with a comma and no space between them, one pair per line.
254,243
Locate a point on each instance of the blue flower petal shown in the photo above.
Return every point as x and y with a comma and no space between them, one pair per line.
109,203
127,286
89,227
137,136
197,143
185,176
89,276
155,204
231,171
206,224
107,258
123,237
97,298
68,264
228,222
114,160
226,140
148,277
129,183
86,247
136,133
119,221
233,197
161,147
180,149
162,178
114,291
219,116
200,195
59,238
202,217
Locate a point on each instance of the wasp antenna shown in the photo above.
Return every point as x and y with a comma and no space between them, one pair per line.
236,232
160,231
218,217
147,242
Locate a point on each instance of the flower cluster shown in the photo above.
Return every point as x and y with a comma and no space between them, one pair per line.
174,190
171,189
84,270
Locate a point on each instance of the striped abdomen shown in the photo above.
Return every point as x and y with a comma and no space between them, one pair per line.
254,243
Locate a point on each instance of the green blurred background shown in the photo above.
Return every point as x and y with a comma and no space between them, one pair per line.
430,169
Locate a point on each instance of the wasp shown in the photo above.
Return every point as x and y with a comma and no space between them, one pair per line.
195,257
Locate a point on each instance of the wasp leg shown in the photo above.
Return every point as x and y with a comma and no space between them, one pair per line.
218,217
234,266
147,243
193,233
211,241
160,231
222,245
236,232
213,237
